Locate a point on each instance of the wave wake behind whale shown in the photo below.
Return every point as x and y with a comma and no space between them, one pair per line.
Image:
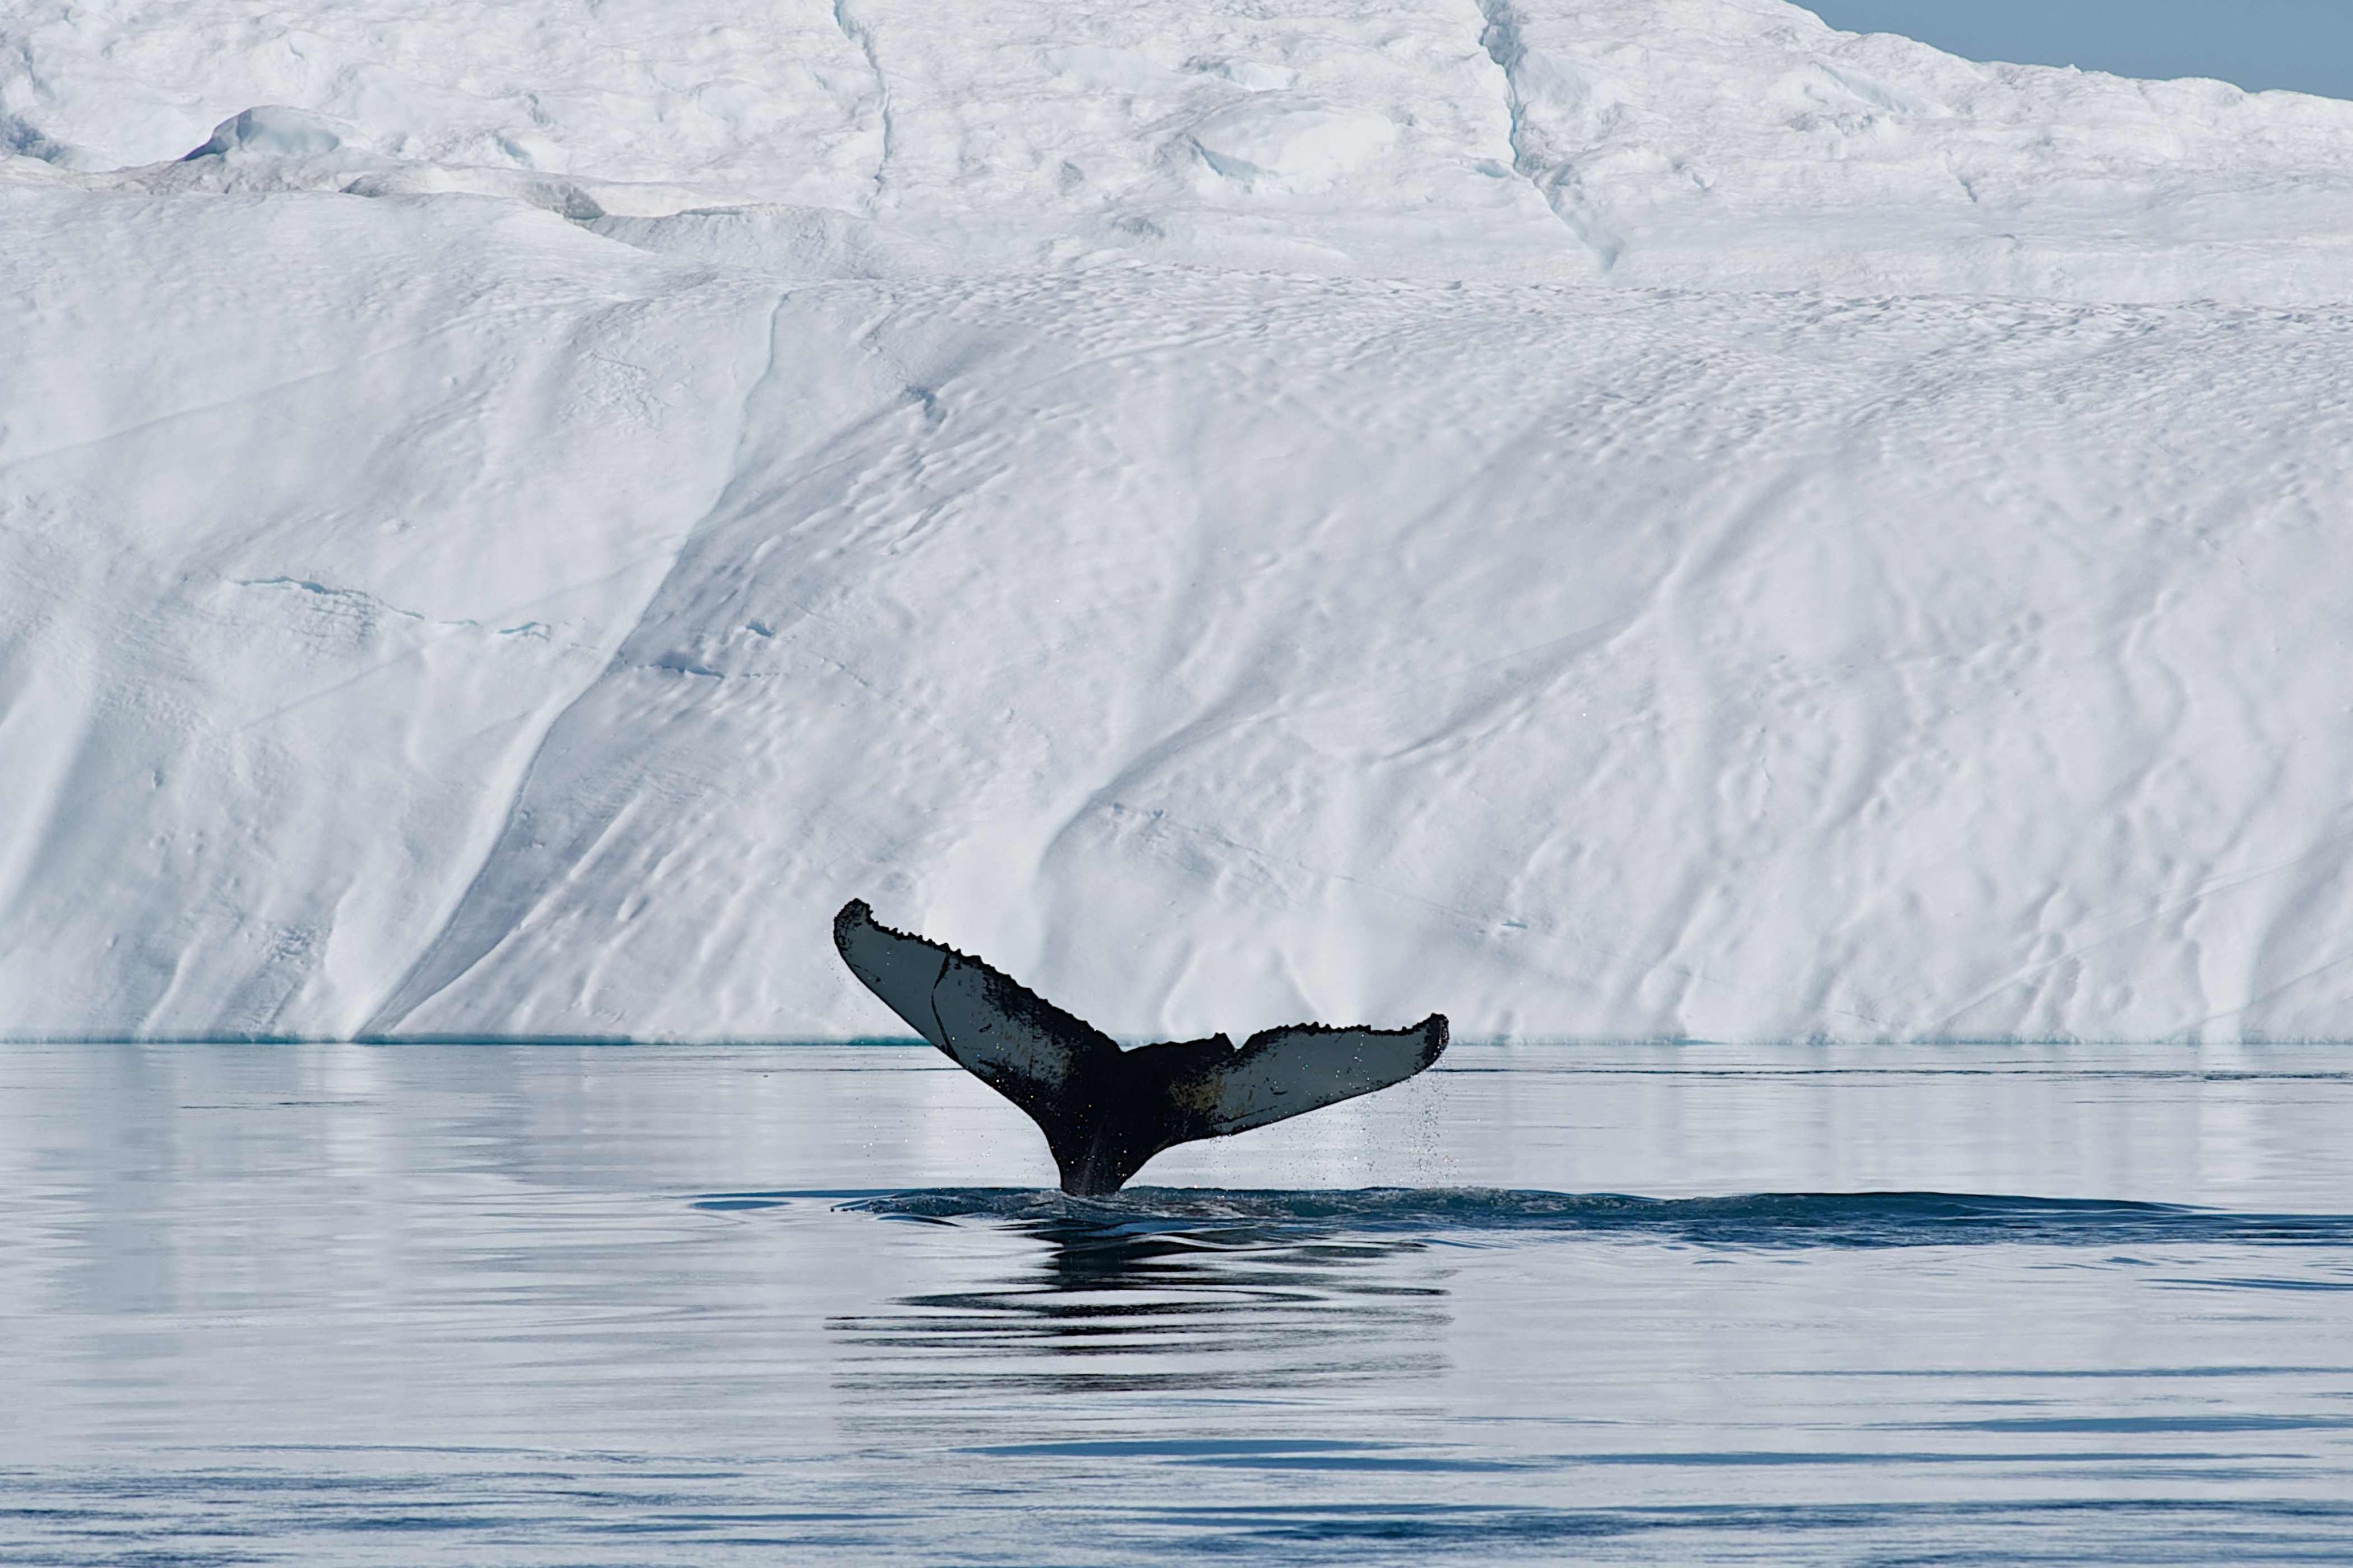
1775,1220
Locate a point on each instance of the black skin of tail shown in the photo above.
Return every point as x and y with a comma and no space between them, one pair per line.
1120,1110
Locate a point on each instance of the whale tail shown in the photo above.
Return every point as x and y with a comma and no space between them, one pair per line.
1105,1109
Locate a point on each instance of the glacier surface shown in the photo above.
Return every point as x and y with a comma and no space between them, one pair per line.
1601,517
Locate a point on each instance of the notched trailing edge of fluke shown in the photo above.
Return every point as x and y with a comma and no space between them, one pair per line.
1104,1109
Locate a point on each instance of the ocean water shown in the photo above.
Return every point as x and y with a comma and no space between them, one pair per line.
643,1304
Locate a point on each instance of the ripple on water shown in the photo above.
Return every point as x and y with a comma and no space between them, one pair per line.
1762,1219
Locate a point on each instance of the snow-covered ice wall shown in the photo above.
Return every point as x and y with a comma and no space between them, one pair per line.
1603,517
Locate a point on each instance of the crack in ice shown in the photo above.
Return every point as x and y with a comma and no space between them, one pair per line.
858,33
1506,44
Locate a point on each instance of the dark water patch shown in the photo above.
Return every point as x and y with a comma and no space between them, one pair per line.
1265,1454
1340,1454
1748,1458
2056,1531
1210,1216
2142,1423
1173,1447
847,1197
2255,1284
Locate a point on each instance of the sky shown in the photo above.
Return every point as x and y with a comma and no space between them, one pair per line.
2304,45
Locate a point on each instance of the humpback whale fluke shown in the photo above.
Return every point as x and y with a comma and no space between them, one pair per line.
1105,1110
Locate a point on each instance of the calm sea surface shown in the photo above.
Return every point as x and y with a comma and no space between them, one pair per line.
643,1304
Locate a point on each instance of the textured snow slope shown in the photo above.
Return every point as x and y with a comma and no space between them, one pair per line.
1737,143
1208,506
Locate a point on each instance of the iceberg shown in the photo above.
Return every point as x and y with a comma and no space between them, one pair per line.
1609,518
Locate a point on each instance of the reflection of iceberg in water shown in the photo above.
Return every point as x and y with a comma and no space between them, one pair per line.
1203,1292
1131,1301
